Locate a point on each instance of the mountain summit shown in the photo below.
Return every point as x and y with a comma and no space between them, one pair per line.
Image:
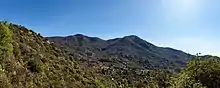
127,49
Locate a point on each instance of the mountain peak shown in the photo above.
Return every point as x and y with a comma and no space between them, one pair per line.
132,36
80,35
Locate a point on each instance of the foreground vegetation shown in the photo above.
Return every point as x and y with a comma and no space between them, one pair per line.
199,73
27,60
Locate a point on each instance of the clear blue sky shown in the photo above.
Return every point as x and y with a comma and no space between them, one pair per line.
190,25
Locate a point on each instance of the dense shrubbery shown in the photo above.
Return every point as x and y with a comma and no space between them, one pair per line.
28,60
199,73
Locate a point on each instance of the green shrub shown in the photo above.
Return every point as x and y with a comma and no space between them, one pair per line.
99,83
35,66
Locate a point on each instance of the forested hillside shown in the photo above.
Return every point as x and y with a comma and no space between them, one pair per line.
28,60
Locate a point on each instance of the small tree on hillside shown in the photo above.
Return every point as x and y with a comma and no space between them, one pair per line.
5,42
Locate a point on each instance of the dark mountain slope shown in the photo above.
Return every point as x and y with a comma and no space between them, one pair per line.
29,60
126,49
80,43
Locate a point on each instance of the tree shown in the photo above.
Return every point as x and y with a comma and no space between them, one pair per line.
5,38
6,49
5,43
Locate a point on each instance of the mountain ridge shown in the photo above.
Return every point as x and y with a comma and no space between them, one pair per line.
114,39
128,46
127,59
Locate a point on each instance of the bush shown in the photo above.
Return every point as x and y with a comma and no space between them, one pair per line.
35,66
99,83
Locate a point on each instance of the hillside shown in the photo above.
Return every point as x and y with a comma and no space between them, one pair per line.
124,62
29,60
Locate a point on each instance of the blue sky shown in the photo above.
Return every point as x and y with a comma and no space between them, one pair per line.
188,25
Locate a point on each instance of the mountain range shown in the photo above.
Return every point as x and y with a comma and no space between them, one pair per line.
28,59
129,51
